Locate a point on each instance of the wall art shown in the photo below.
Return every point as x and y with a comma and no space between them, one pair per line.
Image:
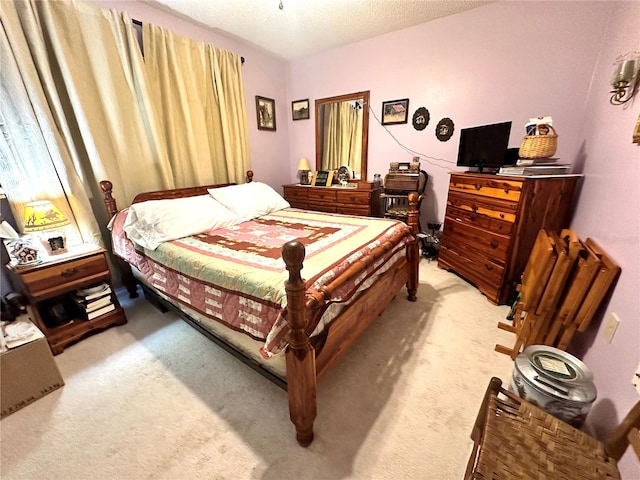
444,129
266,113
300,109
395,111
420,118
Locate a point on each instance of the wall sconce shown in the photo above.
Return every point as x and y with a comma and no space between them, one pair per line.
303,171
44,217
625,81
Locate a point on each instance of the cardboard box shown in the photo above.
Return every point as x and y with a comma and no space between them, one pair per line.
27,372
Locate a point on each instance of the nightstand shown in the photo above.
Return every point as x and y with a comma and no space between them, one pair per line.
49,287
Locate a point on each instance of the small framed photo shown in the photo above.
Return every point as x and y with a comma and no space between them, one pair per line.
322,178
300,109
395,111
266,113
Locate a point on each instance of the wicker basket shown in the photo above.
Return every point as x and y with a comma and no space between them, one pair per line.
539,146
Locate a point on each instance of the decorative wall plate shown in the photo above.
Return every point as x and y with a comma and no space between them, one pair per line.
444,129
421,118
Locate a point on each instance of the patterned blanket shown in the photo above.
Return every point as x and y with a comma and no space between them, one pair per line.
236,275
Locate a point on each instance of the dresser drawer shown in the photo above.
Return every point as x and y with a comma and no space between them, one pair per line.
480,220
329,207
353,198
498,209
490,186
484,242
299,194
484,274
353,210
44,282
322,195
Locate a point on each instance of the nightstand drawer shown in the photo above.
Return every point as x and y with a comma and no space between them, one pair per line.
48,281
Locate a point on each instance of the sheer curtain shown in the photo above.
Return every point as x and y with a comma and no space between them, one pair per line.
199,95
75,111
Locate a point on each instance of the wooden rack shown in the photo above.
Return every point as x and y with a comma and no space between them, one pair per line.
563,284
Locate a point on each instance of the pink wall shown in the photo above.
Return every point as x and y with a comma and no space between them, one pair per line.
512,61
608,212
263,75
501,61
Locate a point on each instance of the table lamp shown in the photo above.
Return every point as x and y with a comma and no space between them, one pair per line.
43,217
303,170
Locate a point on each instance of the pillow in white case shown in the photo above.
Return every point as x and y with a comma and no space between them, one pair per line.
155,221
249,200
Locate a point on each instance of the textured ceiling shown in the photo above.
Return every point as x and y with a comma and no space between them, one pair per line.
305,27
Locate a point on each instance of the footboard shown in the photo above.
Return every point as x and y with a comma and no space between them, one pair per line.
304,365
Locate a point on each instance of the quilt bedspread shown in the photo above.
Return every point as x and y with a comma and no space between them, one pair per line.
236,274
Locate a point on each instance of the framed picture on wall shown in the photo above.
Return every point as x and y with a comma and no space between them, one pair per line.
266,113
300,109
395,111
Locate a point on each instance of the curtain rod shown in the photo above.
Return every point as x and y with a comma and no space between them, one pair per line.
139,23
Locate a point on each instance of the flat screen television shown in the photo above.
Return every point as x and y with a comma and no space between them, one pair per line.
484,148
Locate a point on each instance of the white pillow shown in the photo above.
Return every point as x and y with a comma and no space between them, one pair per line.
249,200
156,221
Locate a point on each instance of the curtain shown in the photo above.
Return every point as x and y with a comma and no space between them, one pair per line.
342,140
79,68
199,95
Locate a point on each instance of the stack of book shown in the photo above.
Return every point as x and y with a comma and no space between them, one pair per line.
94,301
538,169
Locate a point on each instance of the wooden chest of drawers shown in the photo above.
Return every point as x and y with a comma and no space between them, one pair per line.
491,223
363,200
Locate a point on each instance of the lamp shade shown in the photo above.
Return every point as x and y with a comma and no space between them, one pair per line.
42,215
303,164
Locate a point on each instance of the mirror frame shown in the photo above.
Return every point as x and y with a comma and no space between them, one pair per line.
364,96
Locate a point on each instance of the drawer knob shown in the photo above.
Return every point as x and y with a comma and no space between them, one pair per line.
474,208
477,186
502,215
69,272
488,267
493,244
473,218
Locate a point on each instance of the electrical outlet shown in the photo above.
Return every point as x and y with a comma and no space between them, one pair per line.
610,326
636,379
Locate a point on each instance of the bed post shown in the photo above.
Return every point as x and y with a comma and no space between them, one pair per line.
301,360
413,250
126,275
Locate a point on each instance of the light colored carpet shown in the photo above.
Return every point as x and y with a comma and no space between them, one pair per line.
156,399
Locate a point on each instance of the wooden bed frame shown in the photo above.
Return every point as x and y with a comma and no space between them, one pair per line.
306,363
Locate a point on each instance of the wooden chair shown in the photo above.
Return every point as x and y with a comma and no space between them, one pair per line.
514,439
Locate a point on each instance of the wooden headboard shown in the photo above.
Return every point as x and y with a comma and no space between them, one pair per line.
112,208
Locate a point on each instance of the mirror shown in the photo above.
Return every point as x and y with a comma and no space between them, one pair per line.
342,133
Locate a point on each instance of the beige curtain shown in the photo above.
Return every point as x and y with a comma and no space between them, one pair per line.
199,93
79,67
342,139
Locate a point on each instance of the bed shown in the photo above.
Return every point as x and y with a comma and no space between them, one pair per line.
241,283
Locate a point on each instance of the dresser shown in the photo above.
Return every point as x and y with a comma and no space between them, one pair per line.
363,199
491,224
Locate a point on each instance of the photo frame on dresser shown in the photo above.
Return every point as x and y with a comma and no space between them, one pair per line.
322,178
